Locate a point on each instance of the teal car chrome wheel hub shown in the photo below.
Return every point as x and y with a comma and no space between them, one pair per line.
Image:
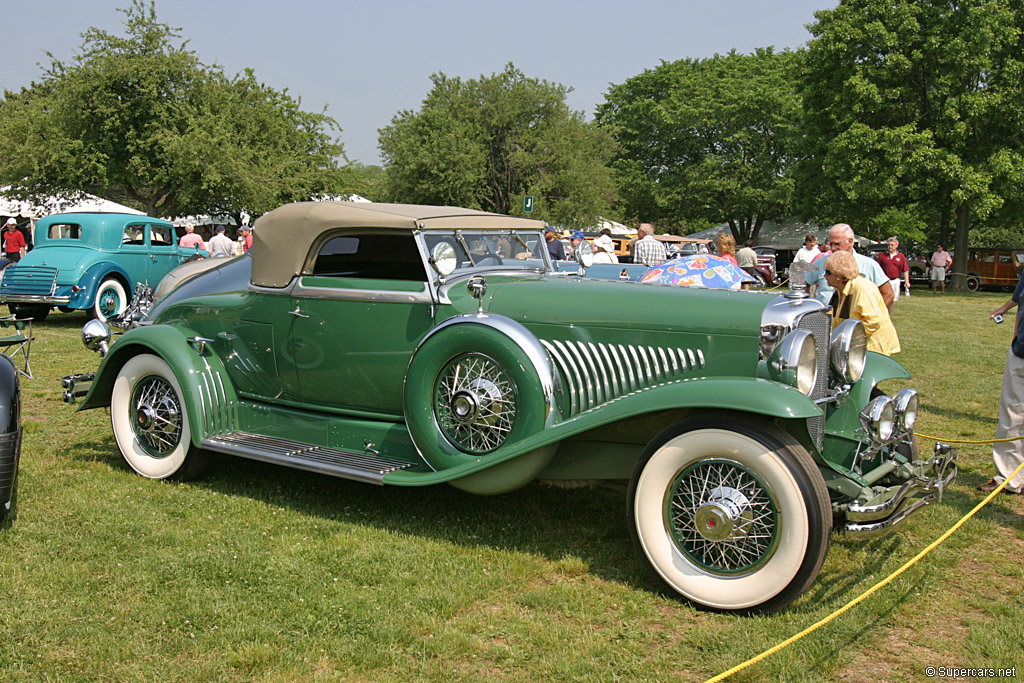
722,517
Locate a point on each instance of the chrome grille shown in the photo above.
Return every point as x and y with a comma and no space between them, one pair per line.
817,323
593,374
29,280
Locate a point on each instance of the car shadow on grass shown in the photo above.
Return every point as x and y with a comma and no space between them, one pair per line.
553,522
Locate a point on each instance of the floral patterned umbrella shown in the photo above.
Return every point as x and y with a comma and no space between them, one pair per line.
697,270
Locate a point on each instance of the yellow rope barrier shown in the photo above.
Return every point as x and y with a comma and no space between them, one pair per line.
935,438
887,580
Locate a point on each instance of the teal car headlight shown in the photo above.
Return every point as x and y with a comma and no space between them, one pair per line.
848,350
793,361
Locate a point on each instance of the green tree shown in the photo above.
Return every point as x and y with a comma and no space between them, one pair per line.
914,109
707,140
487,143
140,120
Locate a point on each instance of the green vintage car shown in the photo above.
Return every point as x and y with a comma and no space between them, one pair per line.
420,345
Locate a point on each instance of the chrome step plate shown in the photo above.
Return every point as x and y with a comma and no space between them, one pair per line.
363,467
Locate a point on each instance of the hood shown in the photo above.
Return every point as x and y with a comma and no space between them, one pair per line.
539,300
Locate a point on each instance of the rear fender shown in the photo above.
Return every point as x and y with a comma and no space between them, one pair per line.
85,297
209,397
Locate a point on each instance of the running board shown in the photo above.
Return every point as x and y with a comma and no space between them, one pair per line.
304,456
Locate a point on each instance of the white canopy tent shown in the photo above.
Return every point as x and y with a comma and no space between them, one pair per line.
84,202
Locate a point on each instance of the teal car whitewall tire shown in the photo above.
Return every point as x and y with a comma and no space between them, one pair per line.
150,422
111,300
730,514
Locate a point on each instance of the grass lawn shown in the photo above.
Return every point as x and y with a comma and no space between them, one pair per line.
259,573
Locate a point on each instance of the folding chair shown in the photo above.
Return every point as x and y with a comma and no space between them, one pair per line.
17,339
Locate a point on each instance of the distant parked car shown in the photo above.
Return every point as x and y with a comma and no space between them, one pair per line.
91,262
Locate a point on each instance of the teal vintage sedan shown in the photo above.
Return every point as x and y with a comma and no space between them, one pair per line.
420,345
91,262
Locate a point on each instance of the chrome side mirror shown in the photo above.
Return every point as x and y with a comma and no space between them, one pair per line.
96,336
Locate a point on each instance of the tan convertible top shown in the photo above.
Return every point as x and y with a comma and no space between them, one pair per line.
281,238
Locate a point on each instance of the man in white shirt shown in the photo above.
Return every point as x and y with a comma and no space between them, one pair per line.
220,244
840,238
808,252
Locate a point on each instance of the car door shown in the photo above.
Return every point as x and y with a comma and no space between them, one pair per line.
134,254
163,253
358,318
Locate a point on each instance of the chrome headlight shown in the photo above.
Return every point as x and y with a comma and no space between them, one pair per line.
848,350
905,402
878,419
793,361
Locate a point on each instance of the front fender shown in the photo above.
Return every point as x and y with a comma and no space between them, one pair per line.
209,398
756,396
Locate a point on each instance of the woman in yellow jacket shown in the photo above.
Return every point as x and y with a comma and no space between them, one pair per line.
858,298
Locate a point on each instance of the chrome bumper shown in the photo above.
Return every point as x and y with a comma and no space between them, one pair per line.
77,386
35,299
869,520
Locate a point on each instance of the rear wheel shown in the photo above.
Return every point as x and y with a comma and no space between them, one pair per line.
973,283
731,514
111,300
150,422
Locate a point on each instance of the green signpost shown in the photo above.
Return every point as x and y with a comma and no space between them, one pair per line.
528,204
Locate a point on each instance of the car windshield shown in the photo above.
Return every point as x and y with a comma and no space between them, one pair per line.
506,249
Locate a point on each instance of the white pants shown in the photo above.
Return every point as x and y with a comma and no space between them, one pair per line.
1009,455
895,284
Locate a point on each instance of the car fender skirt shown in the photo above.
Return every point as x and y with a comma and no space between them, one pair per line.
209,397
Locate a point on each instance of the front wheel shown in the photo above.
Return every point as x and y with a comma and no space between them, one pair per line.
973,283
111,300
731,514
150,423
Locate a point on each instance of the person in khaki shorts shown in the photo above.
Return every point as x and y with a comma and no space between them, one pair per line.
940,261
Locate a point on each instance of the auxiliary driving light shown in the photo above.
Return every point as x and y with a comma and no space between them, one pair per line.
905,402
878,419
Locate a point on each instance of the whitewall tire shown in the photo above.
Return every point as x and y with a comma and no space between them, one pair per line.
731,514
111,300
150,422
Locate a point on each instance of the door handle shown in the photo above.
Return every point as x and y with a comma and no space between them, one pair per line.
297,313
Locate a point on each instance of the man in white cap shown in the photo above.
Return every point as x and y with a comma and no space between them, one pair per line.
14,241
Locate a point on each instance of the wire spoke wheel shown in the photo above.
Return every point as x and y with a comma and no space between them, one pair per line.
156,416
475,403
722,517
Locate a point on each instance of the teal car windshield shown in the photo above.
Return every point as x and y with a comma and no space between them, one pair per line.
513,249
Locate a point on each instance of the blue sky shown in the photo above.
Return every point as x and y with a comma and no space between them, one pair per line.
366,61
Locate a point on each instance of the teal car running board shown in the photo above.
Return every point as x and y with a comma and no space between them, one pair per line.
303,456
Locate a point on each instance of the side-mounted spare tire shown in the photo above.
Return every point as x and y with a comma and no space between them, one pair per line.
475,386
